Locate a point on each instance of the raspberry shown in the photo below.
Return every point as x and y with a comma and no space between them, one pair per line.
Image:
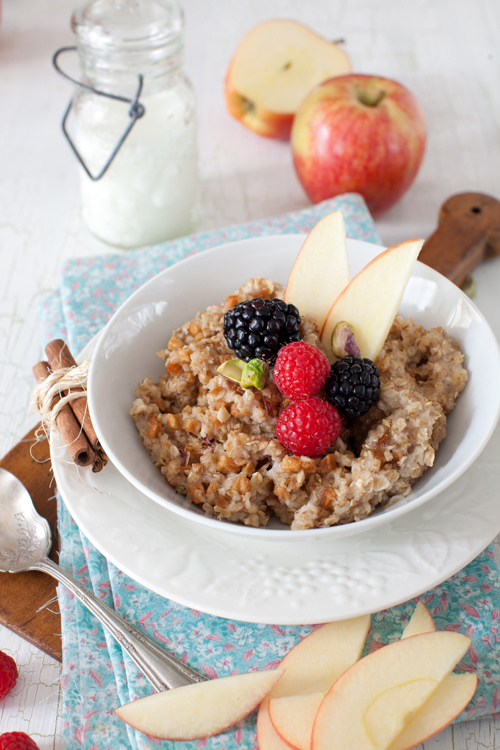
301,370
308,427
8,674
17,741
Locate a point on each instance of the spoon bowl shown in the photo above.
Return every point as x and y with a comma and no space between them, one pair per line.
25,537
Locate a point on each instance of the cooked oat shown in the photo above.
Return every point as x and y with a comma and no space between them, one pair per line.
215,442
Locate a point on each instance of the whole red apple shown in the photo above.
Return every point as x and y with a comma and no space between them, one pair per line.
359,133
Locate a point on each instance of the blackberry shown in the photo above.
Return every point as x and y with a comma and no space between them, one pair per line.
353,386
258,328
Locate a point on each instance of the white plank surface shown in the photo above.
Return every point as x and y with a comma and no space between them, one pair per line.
446,51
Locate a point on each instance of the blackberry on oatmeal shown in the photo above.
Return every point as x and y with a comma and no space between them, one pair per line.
216,442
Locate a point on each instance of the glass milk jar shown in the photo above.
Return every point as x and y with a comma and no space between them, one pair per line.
150,192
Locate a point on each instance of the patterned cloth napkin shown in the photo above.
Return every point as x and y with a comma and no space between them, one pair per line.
97,677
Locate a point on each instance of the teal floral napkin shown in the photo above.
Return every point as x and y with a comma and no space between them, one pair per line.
97,676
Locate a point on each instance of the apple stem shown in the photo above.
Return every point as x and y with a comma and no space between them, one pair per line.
371,98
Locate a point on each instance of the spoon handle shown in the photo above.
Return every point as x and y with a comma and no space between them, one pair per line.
162,670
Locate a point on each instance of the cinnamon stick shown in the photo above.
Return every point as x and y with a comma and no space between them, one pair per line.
100,461
60,357
76,441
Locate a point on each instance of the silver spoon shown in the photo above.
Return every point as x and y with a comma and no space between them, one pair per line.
25,541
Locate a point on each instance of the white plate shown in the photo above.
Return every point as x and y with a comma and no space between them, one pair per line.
314,579
126,353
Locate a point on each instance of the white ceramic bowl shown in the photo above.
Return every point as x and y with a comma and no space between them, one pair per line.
126,353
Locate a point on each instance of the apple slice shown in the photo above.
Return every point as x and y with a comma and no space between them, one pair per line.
275,66
420,622
312,666
200,710
293,717
370,301
373,701
445,704
321,269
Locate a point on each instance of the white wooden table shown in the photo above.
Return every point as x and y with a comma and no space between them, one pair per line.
446,51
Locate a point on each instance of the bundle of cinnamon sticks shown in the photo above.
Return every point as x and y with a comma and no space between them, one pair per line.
73,419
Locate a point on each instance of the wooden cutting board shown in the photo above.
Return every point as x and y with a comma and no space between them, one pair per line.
28,601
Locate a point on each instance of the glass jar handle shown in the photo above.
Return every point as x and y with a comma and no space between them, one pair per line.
136,111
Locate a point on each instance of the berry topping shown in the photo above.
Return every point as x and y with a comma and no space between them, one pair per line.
8,674
258,328
301,370
309,427
353,386
17,741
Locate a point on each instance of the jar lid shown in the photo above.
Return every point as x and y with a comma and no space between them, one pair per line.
110,25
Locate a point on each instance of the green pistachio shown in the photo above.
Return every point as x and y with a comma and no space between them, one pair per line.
232,369
344,341
251,374
255,374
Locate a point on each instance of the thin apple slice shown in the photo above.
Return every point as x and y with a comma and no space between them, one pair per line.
420,622
199,710
445,704
397,679
312,666
321,269
293,717
370,301
274,67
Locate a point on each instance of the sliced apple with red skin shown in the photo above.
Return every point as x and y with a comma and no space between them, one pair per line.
420,622
373,701
199,710
321,269
273,69
293,717
449,699
370,301
312,666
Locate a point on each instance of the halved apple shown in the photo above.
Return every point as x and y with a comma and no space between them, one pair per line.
370,301
321,269
200,710
275,66
312,666
374,700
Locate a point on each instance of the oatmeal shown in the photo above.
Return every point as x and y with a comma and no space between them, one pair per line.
216,443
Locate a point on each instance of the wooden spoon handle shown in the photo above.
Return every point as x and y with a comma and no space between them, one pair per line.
468,232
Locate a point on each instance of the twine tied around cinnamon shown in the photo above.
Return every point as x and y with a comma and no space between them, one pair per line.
60,397
65,380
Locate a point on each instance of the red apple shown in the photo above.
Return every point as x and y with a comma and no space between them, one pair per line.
274,67
359,133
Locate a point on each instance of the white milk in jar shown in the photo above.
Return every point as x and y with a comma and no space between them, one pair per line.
150,192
